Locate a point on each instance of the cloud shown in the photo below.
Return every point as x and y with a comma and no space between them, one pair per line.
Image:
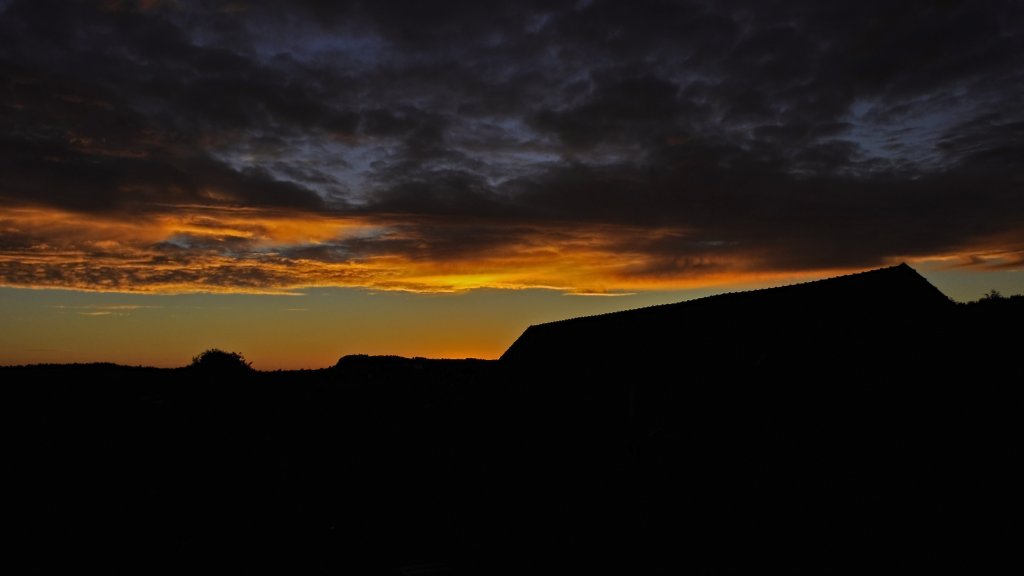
96,310
593,147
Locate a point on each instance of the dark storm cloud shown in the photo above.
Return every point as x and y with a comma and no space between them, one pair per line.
789,134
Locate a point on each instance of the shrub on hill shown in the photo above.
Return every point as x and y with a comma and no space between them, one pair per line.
216,360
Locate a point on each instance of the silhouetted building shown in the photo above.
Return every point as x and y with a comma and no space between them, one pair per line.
832,317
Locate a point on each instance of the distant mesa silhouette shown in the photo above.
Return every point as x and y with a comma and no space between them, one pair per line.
874,305
367,360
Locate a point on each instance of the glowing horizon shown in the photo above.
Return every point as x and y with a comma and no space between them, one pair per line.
314,328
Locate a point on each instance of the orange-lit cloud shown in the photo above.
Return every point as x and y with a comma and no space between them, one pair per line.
250,250
205,249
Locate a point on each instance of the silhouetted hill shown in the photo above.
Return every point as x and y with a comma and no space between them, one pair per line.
857,425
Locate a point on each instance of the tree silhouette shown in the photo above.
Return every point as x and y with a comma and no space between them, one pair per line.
217,360
992,295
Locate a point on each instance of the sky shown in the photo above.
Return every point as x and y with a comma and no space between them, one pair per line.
300,180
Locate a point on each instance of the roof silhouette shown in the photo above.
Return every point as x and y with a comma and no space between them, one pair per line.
890,295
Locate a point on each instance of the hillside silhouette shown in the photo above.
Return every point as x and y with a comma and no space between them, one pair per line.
862,424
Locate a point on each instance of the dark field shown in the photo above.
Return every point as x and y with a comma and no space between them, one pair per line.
845,439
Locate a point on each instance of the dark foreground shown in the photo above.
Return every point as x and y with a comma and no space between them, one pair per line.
828,444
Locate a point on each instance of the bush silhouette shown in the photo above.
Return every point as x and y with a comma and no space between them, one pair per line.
216,360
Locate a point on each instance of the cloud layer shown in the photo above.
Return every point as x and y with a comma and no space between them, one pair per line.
589,146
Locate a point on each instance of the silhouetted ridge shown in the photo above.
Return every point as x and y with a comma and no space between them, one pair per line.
893,294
